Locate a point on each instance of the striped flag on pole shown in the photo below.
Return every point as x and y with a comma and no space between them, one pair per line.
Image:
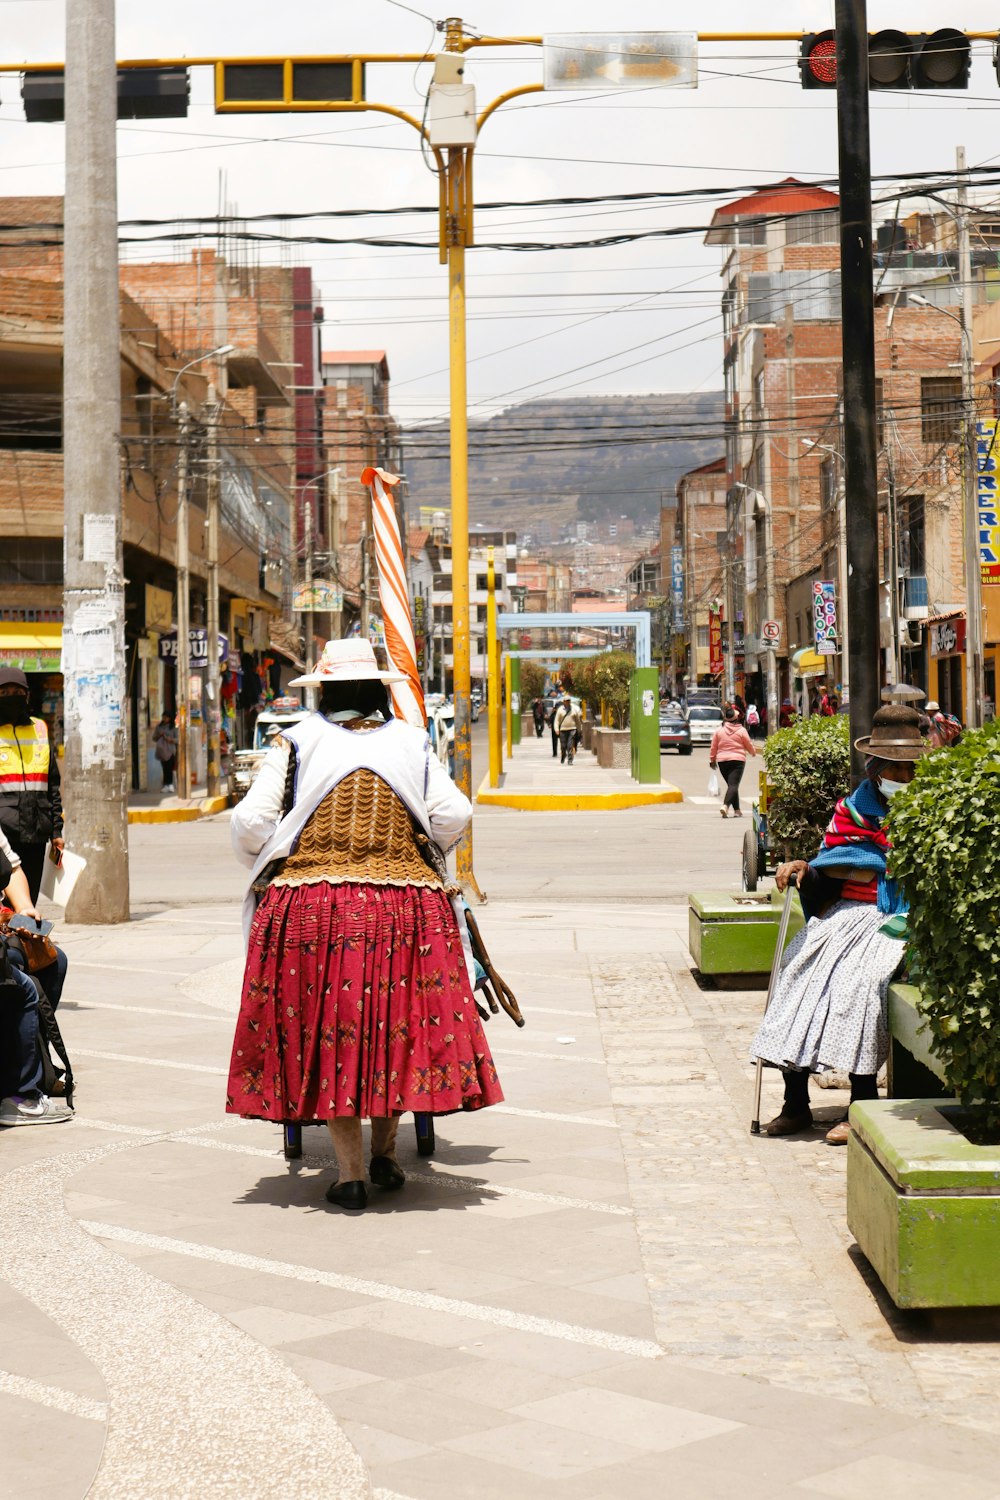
400,645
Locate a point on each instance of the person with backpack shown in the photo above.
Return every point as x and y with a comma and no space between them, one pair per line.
752,721
26,1019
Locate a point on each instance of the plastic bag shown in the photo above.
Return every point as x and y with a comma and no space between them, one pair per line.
713,785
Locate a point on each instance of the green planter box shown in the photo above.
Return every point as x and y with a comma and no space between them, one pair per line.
737,934
923,1203
913,1070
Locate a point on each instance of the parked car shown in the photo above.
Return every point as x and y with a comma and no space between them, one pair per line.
244,764
675,733
703,720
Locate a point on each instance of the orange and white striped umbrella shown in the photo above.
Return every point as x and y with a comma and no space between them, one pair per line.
400,644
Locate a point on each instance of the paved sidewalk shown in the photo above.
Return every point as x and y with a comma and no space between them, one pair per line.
534,778
603,1288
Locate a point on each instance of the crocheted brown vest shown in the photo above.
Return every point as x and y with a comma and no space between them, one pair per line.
361,831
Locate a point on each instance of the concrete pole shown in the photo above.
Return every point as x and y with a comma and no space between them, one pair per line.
96,769
845,655
771,650
493,671
183,677
213,677
311,694
974,687
334,500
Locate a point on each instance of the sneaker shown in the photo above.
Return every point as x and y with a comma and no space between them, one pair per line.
40,1111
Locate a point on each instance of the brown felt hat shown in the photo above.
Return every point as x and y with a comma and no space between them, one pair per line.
895,735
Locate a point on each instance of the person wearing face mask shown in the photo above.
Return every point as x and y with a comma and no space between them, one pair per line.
828,1012
30,799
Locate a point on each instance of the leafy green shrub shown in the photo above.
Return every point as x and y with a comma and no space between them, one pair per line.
610,677
808,771
946,855
532,683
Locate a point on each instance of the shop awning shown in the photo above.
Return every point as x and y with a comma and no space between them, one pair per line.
809,663
33,648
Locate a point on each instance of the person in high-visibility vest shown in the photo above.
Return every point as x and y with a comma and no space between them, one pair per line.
30,799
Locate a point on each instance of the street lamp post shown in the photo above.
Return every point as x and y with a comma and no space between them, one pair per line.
181,415
974,687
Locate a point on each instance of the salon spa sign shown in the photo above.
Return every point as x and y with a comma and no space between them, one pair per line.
988,501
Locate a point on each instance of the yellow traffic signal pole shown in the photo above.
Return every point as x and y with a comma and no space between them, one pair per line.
492,672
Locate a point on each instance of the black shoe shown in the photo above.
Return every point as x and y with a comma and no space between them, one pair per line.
386,1173
789,1124
347,1195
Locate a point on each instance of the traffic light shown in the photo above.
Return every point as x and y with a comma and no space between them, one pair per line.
288,85
143,94
896,60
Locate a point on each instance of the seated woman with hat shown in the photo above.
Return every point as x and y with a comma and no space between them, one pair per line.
829,1007
357,997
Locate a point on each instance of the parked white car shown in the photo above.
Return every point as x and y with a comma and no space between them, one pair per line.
703,720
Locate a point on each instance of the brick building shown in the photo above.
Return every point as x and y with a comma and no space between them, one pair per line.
695,525
782,366
171,314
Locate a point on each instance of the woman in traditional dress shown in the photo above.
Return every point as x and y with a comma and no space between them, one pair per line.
357,999
829,1007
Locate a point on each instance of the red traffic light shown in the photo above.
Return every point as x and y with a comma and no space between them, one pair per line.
818,60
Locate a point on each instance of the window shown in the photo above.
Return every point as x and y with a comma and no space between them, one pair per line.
912,536
703,637
828,483
482,581
31,560
752,232
940,408
814,228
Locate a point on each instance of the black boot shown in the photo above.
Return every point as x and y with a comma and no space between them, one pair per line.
795,1113
350,1195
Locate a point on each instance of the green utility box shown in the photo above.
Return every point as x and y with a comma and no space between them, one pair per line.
923,1203
736,934
644,723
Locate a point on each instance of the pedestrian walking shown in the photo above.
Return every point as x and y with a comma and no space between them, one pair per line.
357,999
538,716
30,798
550,719
828,1012
753,721
730,747
165,749
568,725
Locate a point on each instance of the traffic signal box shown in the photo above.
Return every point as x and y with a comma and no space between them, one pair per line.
896,60
143,94
286,85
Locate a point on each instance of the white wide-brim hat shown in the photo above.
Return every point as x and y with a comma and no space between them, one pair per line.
346,661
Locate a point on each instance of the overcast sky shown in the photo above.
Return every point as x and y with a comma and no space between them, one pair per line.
631,318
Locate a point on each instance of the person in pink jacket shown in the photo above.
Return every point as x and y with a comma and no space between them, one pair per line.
730,747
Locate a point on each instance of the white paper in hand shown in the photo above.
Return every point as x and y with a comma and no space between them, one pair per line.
58,880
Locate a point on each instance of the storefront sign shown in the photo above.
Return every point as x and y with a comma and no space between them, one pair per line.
988,501
197,648
948,637
715,643
825,618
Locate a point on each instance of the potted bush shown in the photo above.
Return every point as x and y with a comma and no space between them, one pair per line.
808,771
924,1174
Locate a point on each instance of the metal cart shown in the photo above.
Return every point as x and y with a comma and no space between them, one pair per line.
758,855
424,1125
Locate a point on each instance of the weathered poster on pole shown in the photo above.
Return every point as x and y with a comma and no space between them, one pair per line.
99,538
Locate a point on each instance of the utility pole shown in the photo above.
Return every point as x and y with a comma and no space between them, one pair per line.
96,771
334,491
858,325
308,578
770,647
727,585
212,674
183,674
974,686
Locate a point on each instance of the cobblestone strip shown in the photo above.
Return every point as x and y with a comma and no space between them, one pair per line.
744,1241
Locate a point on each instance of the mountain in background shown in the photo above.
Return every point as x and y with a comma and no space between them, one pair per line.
539,467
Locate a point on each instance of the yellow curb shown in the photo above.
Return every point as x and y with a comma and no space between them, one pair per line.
649,796
206,808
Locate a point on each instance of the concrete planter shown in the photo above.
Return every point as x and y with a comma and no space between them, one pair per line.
588,734
923,1203
613,748
737,934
